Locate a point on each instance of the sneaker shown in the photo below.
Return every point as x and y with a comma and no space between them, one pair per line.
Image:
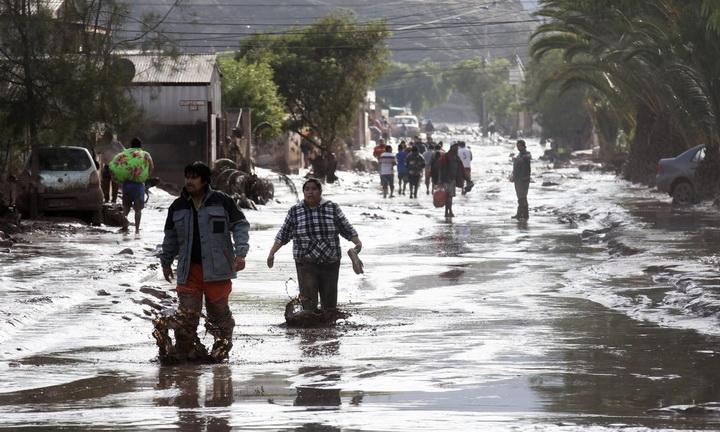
357,264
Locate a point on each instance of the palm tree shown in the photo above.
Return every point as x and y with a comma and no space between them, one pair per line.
645,60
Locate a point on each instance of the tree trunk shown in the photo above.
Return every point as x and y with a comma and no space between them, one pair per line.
655,138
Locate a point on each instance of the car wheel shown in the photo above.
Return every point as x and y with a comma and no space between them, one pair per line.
683,193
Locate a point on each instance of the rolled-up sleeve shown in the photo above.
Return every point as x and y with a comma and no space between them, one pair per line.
344,227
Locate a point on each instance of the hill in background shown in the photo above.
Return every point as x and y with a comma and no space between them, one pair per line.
442,32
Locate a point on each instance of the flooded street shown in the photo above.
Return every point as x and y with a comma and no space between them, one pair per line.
600,313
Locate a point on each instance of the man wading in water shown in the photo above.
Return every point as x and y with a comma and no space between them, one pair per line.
521,178
198,231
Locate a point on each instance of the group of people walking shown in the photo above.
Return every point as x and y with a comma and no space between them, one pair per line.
448,170
444,170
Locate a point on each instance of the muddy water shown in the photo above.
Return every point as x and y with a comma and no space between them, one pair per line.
597,314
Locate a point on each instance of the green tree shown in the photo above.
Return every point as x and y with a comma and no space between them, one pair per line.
419,87
251,85
561,113
475,78
323,73
655,63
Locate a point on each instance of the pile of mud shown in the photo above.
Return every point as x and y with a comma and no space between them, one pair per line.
296,317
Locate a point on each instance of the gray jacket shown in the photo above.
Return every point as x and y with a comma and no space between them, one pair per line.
218,219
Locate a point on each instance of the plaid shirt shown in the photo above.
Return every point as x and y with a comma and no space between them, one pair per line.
315,231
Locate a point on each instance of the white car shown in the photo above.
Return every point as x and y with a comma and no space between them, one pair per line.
404,126
69,182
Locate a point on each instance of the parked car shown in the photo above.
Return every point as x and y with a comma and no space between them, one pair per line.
69,182
412,127
676,176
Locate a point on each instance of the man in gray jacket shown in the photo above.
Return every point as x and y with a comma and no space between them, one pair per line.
198,231
521,178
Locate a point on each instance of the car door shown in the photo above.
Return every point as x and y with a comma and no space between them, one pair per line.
695,161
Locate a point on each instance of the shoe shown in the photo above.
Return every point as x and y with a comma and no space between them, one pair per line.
515,217
357,264
221,350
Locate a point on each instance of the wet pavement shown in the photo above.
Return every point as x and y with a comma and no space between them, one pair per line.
599,313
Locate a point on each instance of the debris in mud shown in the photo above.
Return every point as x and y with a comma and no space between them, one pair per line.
295,316
373,216
655,269
710,408
126,251
112,215
588,167
155,292
246,189
102,293
452,274
43,299
616,248
570,218
549,183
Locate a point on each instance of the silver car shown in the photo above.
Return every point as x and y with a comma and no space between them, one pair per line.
676,176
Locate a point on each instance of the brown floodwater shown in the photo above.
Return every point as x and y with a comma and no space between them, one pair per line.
597,314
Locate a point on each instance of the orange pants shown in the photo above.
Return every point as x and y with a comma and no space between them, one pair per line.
213,291
220,322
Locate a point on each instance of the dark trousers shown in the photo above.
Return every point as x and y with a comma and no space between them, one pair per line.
414,180
107,185
315,279
521,190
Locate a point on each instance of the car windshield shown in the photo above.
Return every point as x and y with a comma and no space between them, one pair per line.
64,159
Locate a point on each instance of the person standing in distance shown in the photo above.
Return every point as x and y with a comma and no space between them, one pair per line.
208,234
521,178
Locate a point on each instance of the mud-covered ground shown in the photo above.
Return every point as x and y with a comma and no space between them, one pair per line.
600,313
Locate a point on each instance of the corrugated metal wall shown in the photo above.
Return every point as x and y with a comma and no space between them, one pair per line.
163,104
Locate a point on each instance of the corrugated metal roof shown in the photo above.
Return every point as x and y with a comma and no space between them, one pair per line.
184,69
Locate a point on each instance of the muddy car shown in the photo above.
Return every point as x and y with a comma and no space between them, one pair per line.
69,183
676,176
410,122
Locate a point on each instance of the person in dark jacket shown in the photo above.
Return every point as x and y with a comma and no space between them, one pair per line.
208,234
415,166
315,226
521,178
434,166
451,176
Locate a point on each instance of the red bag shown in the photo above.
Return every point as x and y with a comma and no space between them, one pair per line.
439,197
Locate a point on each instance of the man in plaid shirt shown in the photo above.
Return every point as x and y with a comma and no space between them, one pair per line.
315,225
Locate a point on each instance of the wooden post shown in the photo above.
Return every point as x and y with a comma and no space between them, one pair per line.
208,135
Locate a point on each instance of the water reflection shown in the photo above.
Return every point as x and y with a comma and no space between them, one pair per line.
316,427
316,396
193,391
618,367
319,342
